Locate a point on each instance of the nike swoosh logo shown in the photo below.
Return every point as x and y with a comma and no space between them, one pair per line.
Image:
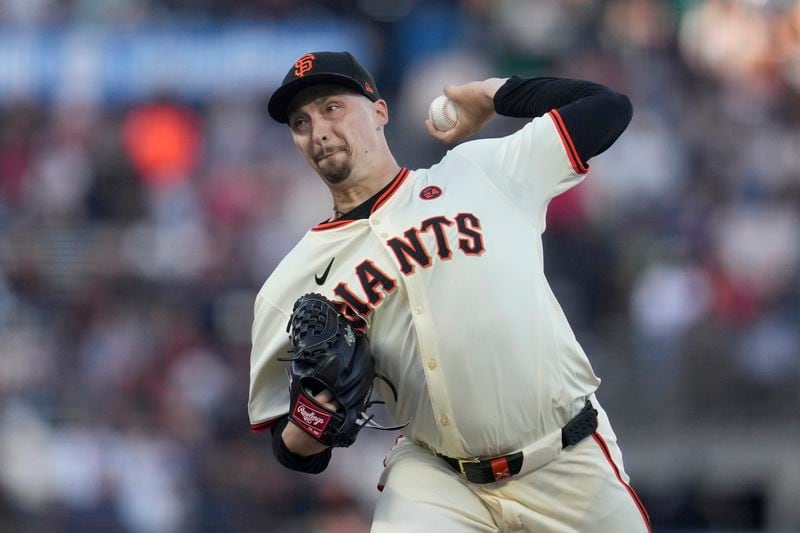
321,279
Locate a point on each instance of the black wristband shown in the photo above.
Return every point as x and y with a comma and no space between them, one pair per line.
312,464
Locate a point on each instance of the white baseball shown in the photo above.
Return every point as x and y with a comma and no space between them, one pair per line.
443,113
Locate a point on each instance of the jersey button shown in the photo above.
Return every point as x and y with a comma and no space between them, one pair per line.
418,309
432,364
443,420
375,221
384,235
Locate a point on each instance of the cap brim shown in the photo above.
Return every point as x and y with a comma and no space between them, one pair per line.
278,105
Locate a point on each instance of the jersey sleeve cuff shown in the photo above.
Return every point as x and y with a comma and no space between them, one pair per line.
265,425
569,147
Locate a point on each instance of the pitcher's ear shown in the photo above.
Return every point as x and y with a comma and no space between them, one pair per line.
382,111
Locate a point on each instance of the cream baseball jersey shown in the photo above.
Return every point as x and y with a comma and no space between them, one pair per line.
481,353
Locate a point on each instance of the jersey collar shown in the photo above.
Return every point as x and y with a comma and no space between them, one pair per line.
369,206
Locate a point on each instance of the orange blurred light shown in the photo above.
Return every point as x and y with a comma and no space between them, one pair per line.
163,142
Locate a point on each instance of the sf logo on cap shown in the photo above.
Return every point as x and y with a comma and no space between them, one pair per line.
303,65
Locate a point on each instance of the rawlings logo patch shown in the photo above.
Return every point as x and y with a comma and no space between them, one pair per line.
310,418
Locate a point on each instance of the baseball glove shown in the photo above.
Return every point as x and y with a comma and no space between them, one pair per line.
328,354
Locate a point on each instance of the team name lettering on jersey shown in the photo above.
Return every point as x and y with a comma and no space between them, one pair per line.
410,252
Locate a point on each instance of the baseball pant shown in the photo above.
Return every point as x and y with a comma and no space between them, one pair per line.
584,490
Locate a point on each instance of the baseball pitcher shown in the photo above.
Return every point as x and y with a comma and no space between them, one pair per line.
426,289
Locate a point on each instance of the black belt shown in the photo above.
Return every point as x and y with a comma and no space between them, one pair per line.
491,470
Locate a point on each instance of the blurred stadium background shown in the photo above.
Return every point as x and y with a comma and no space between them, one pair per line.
144,198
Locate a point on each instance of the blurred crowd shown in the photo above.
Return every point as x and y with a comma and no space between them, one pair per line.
134,238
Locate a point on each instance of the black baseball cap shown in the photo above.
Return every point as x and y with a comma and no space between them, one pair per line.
337,68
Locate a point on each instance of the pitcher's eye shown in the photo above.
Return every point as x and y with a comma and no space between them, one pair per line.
299,123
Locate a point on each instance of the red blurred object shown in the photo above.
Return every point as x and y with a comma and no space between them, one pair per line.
163,142
15,160
733,300
567,211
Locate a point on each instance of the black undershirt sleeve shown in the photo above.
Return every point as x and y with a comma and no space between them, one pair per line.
595,116
313,464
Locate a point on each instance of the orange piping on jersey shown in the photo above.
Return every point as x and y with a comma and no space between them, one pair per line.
574,158
267,424
398,180
602,443
331,224
401,177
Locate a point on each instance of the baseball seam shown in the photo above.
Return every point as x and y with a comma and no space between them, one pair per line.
446,117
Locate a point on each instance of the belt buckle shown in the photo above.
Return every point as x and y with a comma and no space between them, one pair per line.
462,462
